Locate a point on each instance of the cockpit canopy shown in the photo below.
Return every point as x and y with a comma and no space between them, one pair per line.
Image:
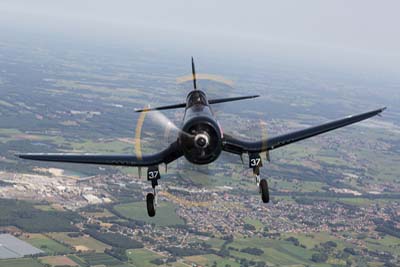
196,98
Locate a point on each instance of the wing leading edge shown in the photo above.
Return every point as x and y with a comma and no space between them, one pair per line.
166,156
210,101
236,146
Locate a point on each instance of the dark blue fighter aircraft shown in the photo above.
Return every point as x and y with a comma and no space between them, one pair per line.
201,141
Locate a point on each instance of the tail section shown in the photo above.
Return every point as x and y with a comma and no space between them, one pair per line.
210,101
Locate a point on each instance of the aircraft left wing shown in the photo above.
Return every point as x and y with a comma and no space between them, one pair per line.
236,146
165,156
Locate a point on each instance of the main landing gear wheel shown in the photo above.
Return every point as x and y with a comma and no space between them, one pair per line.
264,190
153,175
150,200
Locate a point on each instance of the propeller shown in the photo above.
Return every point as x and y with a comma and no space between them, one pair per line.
159,119
201,141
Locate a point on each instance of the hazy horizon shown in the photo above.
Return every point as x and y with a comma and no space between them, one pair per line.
361,32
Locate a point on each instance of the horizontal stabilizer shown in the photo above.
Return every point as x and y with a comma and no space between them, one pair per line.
181,105
211,101
229,99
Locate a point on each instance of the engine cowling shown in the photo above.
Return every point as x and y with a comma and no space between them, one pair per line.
200,140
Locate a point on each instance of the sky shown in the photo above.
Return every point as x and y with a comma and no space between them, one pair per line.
360,27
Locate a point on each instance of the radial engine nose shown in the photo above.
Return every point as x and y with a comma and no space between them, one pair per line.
202,140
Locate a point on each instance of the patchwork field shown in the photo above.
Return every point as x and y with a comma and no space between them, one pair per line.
104,213
25,262
78,260
210,260
81,243
275,252
46,244
142,257
83,101
58,261
100,259
166,214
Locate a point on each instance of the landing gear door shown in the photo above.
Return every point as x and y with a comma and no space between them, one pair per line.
255,161
153,173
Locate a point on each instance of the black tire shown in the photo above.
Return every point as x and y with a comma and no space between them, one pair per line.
150,205
264,190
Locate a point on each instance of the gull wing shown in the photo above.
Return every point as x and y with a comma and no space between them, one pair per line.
165,156
236,146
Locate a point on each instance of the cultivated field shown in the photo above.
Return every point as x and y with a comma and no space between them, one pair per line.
137,210
81,243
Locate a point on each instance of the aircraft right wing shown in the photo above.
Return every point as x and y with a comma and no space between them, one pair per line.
236,146
165,156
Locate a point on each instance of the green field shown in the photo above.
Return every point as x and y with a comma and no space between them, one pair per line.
165,216
48,245
314,239
33,220
78,260
386,243
256,223
210,259
8,131
275,251
25,262
215,242
142,257
100,258
57,261
44,207
81,242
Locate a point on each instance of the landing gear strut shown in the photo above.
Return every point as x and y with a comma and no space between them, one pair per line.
153,174
255,163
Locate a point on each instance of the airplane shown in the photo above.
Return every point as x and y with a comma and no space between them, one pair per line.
201,140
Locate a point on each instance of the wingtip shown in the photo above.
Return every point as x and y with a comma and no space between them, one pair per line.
142,109
379,111
22,156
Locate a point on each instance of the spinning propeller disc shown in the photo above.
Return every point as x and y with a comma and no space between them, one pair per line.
205,76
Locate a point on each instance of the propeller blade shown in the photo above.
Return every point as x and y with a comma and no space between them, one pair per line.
160,119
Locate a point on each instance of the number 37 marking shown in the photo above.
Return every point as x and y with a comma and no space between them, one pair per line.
255,162
153,174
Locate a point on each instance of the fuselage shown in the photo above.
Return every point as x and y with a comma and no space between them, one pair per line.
201,136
